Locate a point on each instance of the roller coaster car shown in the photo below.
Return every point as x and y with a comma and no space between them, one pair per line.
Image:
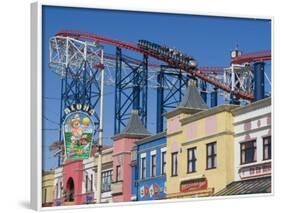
192,63
168,53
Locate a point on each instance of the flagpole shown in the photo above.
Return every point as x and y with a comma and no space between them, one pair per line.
99,169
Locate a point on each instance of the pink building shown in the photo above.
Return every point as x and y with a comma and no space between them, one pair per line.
72,180
122,146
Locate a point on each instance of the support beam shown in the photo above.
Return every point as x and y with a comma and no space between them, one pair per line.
169,92
258,80
130,90
214,97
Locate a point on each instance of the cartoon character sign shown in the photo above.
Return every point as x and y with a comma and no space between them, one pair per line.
78,135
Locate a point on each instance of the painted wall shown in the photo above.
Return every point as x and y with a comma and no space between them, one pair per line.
58,186
90,170
252,125
121,189
212,126
48,188
150,188
73,169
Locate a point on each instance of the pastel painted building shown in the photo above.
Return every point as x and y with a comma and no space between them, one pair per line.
48,178
149,168
123,144
59,192
75,182
252,163
89,183
200,147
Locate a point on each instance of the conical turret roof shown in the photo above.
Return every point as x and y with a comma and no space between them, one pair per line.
191,103
134,128
192,98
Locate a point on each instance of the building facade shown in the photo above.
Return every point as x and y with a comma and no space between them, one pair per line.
200,147
224,150
48,178
149,168
252,163
75,182
123,144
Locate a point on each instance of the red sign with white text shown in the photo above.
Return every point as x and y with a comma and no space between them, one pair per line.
194,185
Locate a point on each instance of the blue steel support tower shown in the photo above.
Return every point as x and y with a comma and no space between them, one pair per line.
214,97
203,88
258,80
130,96
168,98
80,87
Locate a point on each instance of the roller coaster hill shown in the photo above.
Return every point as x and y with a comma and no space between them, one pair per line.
78,58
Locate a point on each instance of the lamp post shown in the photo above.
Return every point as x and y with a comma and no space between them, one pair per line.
100,133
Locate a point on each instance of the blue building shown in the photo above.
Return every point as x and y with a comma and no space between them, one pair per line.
149,168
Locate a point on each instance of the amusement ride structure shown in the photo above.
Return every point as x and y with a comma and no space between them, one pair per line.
78,59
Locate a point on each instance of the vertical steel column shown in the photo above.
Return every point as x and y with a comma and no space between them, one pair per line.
203,92
258,80
214,97
144,90
136,90
173,95
160,98
60,155
118,76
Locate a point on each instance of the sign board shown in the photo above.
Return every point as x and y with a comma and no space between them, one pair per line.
193,185
78,131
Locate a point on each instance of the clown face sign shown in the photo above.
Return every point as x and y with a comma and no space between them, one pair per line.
78,135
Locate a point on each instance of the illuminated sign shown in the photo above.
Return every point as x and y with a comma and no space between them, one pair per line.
78,129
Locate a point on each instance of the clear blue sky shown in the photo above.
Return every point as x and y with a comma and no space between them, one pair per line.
208,39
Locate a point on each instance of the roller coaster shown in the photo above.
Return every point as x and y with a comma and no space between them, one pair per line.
76,57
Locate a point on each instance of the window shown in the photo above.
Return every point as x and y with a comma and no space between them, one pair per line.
211,155
248,152
267,148
143,168
57,190
118,173
174,164
45,196
163,163
86,184
106,178
91,181
61,190
153,165
191,160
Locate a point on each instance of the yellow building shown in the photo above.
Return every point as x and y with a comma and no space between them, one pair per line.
200,147
48,179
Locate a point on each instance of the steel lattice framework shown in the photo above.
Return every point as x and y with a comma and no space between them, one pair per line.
78,65
130,89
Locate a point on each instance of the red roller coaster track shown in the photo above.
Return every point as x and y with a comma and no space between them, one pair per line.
197,73
252,57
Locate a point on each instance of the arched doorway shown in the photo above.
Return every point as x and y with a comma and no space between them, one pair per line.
70,190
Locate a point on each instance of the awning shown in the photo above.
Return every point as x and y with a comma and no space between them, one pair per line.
251,186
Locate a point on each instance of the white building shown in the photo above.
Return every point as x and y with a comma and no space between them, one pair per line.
252,137
58,186
89,183
252,127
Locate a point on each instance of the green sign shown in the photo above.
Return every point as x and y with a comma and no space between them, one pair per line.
78,135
